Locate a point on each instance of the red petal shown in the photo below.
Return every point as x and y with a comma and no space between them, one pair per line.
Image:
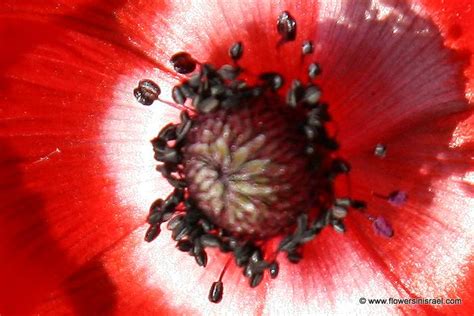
58,212
454,19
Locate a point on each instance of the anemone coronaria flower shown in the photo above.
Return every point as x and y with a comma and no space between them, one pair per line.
77,172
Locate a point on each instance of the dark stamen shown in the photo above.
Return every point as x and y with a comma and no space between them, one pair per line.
343,202
295,94
256,279
184,245
184,127
236,51
340,166
210,241
357,204
229,72
339,212
312,94
155,213
294,256
216,292
314,70
152,232
178,95
286,26
201,257
272,79
338,226
307,48
183,63
175,221
147,92
274,269
207,105
217,288
380,150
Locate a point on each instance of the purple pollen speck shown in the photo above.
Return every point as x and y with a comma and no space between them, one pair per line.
382,227
397,198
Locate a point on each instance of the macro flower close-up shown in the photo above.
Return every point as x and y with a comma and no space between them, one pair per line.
172,157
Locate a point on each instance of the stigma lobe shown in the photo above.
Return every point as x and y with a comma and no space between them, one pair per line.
243,175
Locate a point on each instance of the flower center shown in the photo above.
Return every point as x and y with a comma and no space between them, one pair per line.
247,169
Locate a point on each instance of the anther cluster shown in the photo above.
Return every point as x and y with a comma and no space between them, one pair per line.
247,163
